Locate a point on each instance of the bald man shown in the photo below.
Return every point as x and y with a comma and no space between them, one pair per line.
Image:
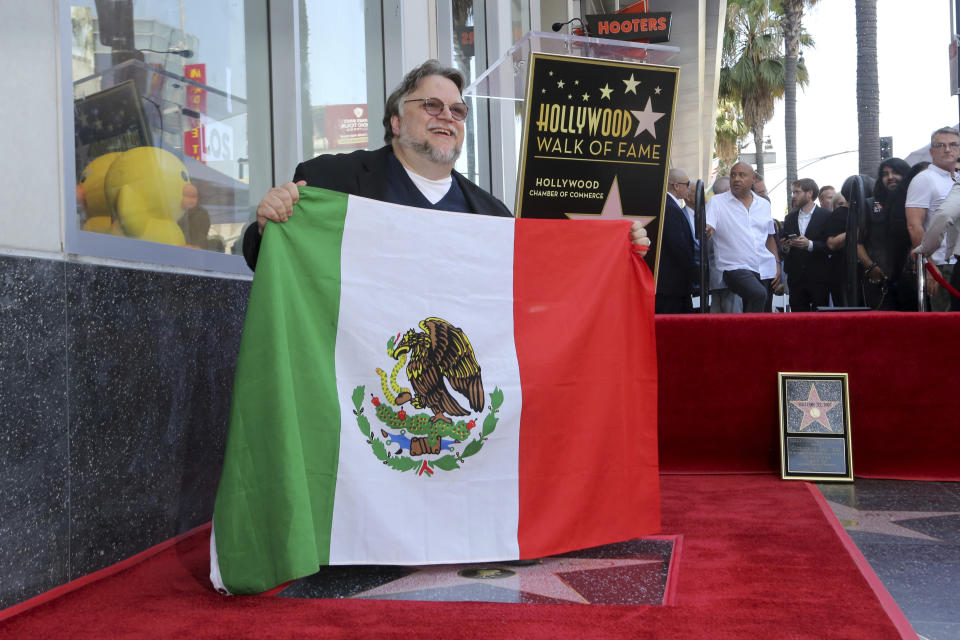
742,229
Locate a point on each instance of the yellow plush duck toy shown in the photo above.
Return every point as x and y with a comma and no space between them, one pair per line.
93,199
148,190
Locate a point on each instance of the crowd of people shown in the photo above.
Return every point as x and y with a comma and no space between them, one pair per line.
903,211
750,256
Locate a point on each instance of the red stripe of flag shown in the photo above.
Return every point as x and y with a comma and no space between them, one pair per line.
586,349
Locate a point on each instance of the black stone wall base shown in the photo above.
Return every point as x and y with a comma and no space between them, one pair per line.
114,397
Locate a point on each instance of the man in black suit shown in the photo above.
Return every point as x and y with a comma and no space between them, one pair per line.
805,236
678,271
424,130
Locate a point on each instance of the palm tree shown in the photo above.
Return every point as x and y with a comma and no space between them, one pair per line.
752,71
729,132
868,87
793,37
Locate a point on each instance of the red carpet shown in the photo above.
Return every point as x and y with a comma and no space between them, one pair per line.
718,389
760,559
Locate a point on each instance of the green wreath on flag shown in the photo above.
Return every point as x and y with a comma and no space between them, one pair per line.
420,426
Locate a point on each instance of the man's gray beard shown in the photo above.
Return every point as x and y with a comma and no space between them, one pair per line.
426,149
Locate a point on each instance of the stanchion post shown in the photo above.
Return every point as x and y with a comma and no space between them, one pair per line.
857,213
700,222
921,283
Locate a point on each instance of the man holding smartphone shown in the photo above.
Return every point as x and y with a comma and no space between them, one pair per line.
805,248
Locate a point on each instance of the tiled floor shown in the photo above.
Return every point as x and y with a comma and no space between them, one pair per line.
909,532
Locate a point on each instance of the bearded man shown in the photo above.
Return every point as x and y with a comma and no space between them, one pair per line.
885,242
805,247
424,130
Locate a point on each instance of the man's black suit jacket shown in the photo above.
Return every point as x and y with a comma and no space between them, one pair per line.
802,266
363,173
678,271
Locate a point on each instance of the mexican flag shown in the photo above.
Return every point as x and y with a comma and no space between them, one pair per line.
420,387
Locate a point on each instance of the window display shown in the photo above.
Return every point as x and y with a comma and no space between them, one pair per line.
162,123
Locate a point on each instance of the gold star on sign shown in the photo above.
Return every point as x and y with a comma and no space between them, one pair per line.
586,97
560,84
631,85
656,91
605,92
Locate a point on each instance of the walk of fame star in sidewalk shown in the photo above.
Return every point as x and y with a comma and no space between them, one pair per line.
634,572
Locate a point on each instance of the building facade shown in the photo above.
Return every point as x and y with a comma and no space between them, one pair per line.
121,317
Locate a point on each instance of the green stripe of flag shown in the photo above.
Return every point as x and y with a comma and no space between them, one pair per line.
274,506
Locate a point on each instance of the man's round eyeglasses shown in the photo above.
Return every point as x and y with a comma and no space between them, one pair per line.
434,106
944,145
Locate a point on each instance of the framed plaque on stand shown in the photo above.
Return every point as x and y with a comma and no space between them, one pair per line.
815,427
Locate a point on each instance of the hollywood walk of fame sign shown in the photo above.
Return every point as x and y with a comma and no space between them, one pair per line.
815,427
596,141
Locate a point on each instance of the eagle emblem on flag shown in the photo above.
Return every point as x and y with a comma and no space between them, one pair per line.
441,351
438,362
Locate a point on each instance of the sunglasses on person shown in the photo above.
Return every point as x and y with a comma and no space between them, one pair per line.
434,106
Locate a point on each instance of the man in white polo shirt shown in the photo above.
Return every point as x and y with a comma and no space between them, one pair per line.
927,190
742,229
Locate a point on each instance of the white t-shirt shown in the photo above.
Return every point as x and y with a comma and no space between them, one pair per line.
946,221
927,191
432,190
740,235
768,261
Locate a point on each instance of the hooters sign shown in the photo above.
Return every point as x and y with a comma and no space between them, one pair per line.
649,27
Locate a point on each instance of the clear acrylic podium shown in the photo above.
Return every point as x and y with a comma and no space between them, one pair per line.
501,89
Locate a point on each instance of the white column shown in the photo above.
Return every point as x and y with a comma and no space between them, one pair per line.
31,177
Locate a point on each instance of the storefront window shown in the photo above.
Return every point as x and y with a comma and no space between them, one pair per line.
334,77
472,34
164,125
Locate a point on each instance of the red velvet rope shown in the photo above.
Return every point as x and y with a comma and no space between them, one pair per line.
933,271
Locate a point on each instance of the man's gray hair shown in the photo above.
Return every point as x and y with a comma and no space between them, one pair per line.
410,82
950,131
